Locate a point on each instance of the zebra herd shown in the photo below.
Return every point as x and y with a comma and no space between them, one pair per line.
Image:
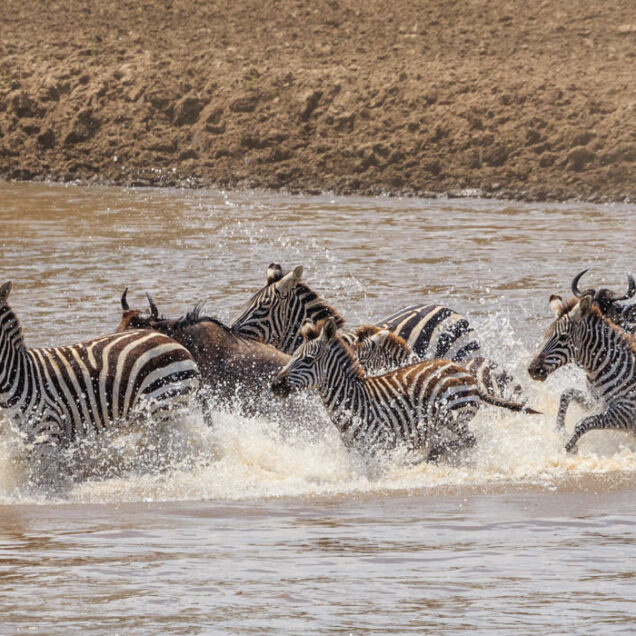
411,381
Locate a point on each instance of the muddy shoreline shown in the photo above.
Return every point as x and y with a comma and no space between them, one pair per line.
427,99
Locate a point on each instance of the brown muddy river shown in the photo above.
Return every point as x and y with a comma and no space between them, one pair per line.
247,527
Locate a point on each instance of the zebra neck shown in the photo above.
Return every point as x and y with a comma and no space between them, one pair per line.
291,339
13,357
343,390
600,347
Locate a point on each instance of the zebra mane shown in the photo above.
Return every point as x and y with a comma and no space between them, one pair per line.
357,368
311,331
193,317
318,307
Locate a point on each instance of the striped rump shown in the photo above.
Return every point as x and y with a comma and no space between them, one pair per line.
65,393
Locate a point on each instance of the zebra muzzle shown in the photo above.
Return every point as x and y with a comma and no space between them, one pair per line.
537,369
281,386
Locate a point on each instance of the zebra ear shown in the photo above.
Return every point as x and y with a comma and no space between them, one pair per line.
556,303
329,330
289,281
274,273
5,290
583,308
380,337
309,331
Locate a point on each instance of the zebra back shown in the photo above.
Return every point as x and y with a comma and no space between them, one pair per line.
394,352
433,331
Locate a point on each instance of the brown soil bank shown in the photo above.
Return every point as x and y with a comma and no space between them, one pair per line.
527,100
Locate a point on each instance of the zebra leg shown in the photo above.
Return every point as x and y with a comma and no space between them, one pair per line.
580,397
617,416
457,425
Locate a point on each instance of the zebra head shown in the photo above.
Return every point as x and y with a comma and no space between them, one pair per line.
309,364
381,350
564,337
275,314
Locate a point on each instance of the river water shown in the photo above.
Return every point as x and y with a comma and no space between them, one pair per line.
250,527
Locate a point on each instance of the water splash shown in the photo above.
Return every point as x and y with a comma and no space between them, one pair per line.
255,457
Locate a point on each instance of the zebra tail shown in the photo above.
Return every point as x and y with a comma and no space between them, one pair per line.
507,404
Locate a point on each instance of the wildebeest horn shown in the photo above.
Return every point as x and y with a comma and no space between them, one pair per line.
575,284
154,311
124,303
631,289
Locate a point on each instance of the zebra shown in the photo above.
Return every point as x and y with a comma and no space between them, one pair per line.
434,331
378,349
62,394
276,313
407,407
608,302
583,335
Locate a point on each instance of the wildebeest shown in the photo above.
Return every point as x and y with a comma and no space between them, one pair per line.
609,302
232,367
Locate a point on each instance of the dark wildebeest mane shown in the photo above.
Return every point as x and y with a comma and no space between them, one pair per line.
193,317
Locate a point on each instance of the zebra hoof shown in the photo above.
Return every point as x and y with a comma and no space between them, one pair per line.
571,448
435,454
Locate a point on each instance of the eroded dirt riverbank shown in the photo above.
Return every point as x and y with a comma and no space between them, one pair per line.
531,101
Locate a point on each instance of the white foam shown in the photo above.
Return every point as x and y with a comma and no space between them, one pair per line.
241,457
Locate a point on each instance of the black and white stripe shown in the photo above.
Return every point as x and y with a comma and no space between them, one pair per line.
407,407
433,331
582,334
276,313
379,350
64,393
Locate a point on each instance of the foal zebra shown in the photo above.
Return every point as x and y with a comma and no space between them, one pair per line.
581,334
64,393
377,349
405,407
